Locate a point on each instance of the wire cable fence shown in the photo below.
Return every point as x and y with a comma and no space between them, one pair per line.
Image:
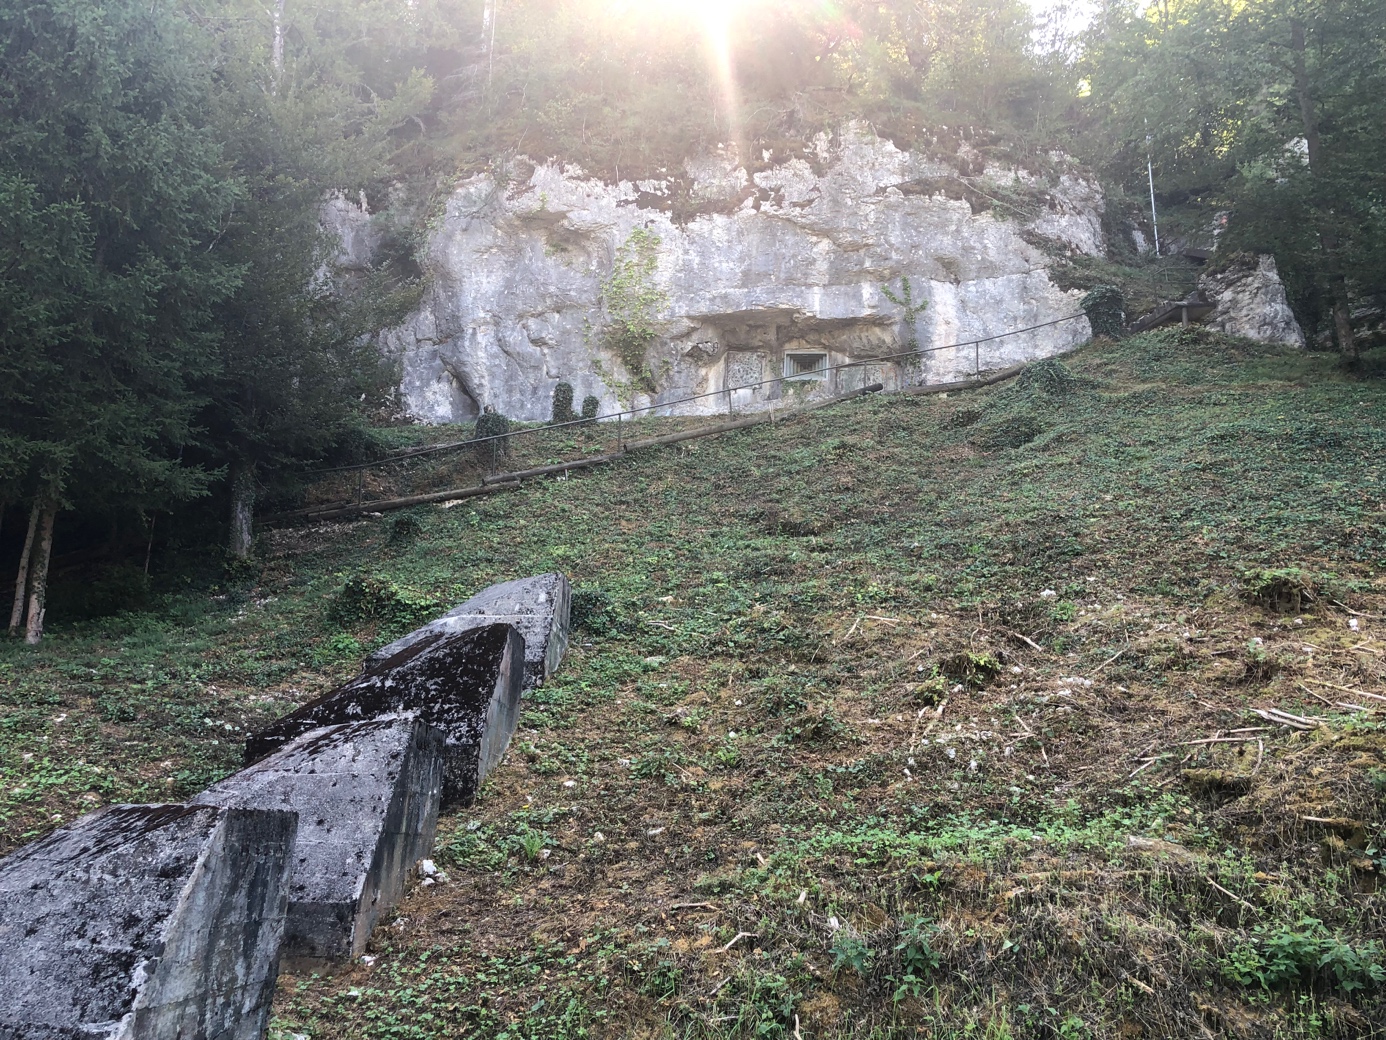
505,440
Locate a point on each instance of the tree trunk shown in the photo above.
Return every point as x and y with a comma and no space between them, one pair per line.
17,612
277,54
242,508
1328,237
38,584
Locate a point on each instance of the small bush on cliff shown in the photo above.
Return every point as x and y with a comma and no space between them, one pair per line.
590,405
1106,310
563,404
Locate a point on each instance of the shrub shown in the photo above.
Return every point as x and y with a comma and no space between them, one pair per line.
1303,955
1106,310
1012,432
851,951
593,611
367,597
1282,590
1048,377
492,437
404,529
918,958
590,404
563,404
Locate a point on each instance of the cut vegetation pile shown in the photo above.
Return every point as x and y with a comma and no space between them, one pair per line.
1051,710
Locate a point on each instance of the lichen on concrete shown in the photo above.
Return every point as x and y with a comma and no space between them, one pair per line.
156,922
367,796
467,684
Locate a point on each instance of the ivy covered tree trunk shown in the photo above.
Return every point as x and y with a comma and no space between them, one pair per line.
20,582
38,583
242,508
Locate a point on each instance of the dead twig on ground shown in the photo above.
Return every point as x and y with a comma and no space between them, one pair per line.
1231,895
1109,660
1347,689
739,936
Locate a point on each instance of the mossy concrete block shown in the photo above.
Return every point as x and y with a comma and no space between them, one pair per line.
367,796
538,607
467,684
145,921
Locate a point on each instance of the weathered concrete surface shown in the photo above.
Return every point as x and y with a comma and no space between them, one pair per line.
367,796
467,684
147,922
538,607
1251,302
793,261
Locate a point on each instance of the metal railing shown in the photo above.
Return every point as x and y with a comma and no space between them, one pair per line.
620,416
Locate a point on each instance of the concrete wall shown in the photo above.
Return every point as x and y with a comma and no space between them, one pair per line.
168,922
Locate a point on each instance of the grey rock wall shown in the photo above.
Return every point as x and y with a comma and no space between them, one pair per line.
467,684
367,797
1251,302
156,922
538,608
794,263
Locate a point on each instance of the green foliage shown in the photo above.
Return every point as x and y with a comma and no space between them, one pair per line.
1304,954
492,438
1106,310
593,610
1007,431
1265,110
368,597
590,406
1283,590
563,404
110,203
632,302
849,950
917,956
111,590
404,529
909,319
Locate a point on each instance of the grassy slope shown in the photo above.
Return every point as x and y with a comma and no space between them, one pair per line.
785,718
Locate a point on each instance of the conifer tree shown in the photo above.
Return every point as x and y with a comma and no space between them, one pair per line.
110,196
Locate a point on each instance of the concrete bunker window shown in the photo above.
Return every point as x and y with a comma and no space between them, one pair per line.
806,366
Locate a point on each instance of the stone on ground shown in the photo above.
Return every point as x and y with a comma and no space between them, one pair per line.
538,607
467,684
367,796
153,922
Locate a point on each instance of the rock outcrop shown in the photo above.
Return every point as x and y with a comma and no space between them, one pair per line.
780,270
1250,301
145,922
367,796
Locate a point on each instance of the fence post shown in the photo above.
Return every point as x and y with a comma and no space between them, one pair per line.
977,358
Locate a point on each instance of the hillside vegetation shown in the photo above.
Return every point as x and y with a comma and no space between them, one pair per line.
916,716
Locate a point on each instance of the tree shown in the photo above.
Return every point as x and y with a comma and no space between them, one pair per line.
110,195
299,118
1268,107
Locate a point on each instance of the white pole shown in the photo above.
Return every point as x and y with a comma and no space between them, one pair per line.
1155,223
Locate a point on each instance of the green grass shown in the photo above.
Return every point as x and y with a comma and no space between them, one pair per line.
818,696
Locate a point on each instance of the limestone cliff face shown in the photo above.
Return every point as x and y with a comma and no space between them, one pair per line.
782,271
764,280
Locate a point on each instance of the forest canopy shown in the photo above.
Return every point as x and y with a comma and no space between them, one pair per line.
175,337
